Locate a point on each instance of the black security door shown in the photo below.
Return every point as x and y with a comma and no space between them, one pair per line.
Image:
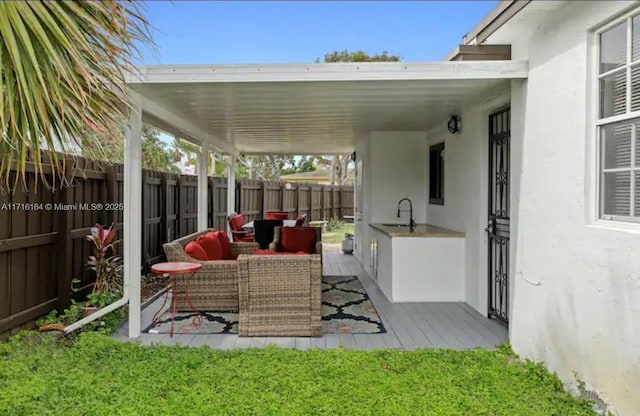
498,224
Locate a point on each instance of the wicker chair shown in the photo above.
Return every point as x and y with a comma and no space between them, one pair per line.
280,295
215,286
277,246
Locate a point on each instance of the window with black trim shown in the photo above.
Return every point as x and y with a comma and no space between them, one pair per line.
436,174
618,121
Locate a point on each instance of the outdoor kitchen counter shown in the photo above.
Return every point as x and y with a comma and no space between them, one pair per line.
420,230
426,265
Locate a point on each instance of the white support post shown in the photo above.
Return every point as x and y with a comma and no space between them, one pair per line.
231,185
203,191
132,234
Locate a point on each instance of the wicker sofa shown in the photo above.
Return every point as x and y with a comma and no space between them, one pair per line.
215,286
280,295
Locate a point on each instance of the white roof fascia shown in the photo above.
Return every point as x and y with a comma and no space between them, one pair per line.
358,71
494,20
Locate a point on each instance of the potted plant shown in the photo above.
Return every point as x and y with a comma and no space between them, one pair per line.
107,266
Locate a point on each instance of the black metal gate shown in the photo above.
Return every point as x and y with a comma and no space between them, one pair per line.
498,224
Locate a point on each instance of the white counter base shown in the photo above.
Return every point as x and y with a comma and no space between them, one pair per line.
420,269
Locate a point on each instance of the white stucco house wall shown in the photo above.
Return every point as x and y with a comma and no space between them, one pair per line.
522,175
573,252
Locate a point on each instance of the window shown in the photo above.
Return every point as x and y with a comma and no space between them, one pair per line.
436,174
619,120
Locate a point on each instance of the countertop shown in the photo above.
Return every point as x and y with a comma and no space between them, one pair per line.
420,230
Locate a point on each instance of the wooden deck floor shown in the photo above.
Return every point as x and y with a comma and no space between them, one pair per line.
409,325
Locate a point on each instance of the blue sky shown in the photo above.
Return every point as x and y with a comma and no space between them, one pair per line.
216,32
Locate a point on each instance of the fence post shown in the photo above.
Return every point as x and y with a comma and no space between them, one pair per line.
65,255
182,203
308,201
215,193
263,213
143,220
237,189
283,197
112,193
210,206
162,195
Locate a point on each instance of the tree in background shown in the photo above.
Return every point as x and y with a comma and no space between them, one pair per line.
156,154
107,147
359,56
301,164
267,167
338,165
63,69
184,149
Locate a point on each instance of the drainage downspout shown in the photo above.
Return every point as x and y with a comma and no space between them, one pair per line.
102,312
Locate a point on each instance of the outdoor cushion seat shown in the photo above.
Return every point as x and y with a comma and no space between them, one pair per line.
275,253
215,286
276,244
294,239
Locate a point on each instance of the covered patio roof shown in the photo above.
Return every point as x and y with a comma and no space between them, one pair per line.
285,109
310,108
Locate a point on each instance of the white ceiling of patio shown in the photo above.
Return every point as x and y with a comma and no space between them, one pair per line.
312,109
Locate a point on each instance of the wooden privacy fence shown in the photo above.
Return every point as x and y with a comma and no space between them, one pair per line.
42,231
255,198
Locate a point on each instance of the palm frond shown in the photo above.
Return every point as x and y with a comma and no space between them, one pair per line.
63,66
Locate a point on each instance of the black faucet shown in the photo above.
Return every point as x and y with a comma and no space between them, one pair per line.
412,223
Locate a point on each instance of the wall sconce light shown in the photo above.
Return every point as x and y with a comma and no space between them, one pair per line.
454,124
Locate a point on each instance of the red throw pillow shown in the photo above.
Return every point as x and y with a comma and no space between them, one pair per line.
223,238
211,246
296,239
195,250
236,222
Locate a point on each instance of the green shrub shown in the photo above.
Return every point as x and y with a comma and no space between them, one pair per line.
334,224
68,316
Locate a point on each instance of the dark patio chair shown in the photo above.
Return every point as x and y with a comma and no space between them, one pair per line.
263,231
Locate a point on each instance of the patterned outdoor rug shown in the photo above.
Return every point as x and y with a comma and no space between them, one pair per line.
346,309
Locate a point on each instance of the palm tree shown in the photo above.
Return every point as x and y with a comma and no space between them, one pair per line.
63,65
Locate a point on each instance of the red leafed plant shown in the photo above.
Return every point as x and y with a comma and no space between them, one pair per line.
104,262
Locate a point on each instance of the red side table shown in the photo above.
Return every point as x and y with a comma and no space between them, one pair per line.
174,269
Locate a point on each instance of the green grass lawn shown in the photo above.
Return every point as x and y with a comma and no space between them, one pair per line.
39,375
336,236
